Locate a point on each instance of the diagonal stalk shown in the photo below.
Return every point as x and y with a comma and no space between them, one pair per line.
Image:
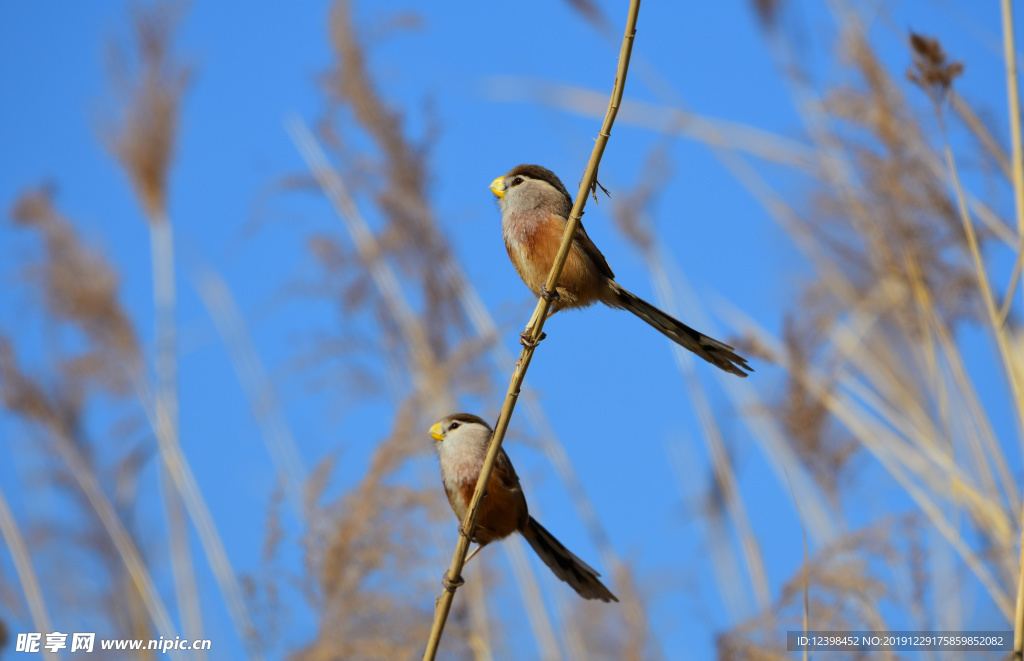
1013,99
534,331
426,363
26,573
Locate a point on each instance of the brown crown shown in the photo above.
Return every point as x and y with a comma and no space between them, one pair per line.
469,417
540,173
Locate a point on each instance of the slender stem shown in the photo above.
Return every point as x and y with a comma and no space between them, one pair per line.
534,330
1018,620
166,402
26,573
983,283
133,562
424,364
163,422
1013,99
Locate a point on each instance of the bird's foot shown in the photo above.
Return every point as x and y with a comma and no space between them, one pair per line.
524,339
451,585
550,296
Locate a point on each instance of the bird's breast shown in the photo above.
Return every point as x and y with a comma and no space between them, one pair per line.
460,466
531,239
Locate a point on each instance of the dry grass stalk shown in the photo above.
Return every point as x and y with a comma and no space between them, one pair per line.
371,530
875,347
534,331
1013,100
259,388
144,145
842,588
431,384
410,232
878,331
388,285
1013,103
934,75
80,292
152,84
631,219
15,542
666,119
435,368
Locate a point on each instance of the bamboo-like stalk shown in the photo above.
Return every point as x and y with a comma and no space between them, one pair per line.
336,190
1013,100
26,574
425,366
534,330
553,448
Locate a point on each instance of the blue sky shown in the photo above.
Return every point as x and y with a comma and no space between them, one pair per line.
254,66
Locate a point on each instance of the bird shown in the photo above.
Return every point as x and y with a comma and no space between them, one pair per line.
535,208
461,440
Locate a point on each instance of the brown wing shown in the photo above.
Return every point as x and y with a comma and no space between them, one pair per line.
503,511
583,242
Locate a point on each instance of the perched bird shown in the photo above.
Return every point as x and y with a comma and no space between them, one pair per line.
461,442
535,207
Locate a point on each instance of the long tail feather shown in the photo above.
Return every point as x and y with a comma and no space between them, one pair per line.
565,565
717,353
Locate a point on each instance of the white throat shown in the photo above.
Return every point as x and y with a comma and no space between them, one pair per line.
462,454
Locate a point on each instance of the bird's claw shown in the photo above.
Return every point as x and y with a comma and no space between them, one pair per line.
524,339
451,585
547,295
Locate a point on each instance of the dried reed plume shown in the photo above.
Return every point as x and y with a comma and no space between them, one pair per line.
79,291
150,83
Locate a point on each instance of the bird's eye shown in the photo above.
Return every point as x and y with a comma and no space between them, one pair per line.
517,181
455,425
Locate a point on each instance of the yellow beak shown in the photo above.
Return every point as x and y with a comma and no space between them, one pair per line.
435,431
498,186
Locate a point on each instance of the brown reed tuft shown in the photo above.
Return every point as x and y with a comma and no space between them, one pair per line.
930,71
151,87
79,287
395,175
79,292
